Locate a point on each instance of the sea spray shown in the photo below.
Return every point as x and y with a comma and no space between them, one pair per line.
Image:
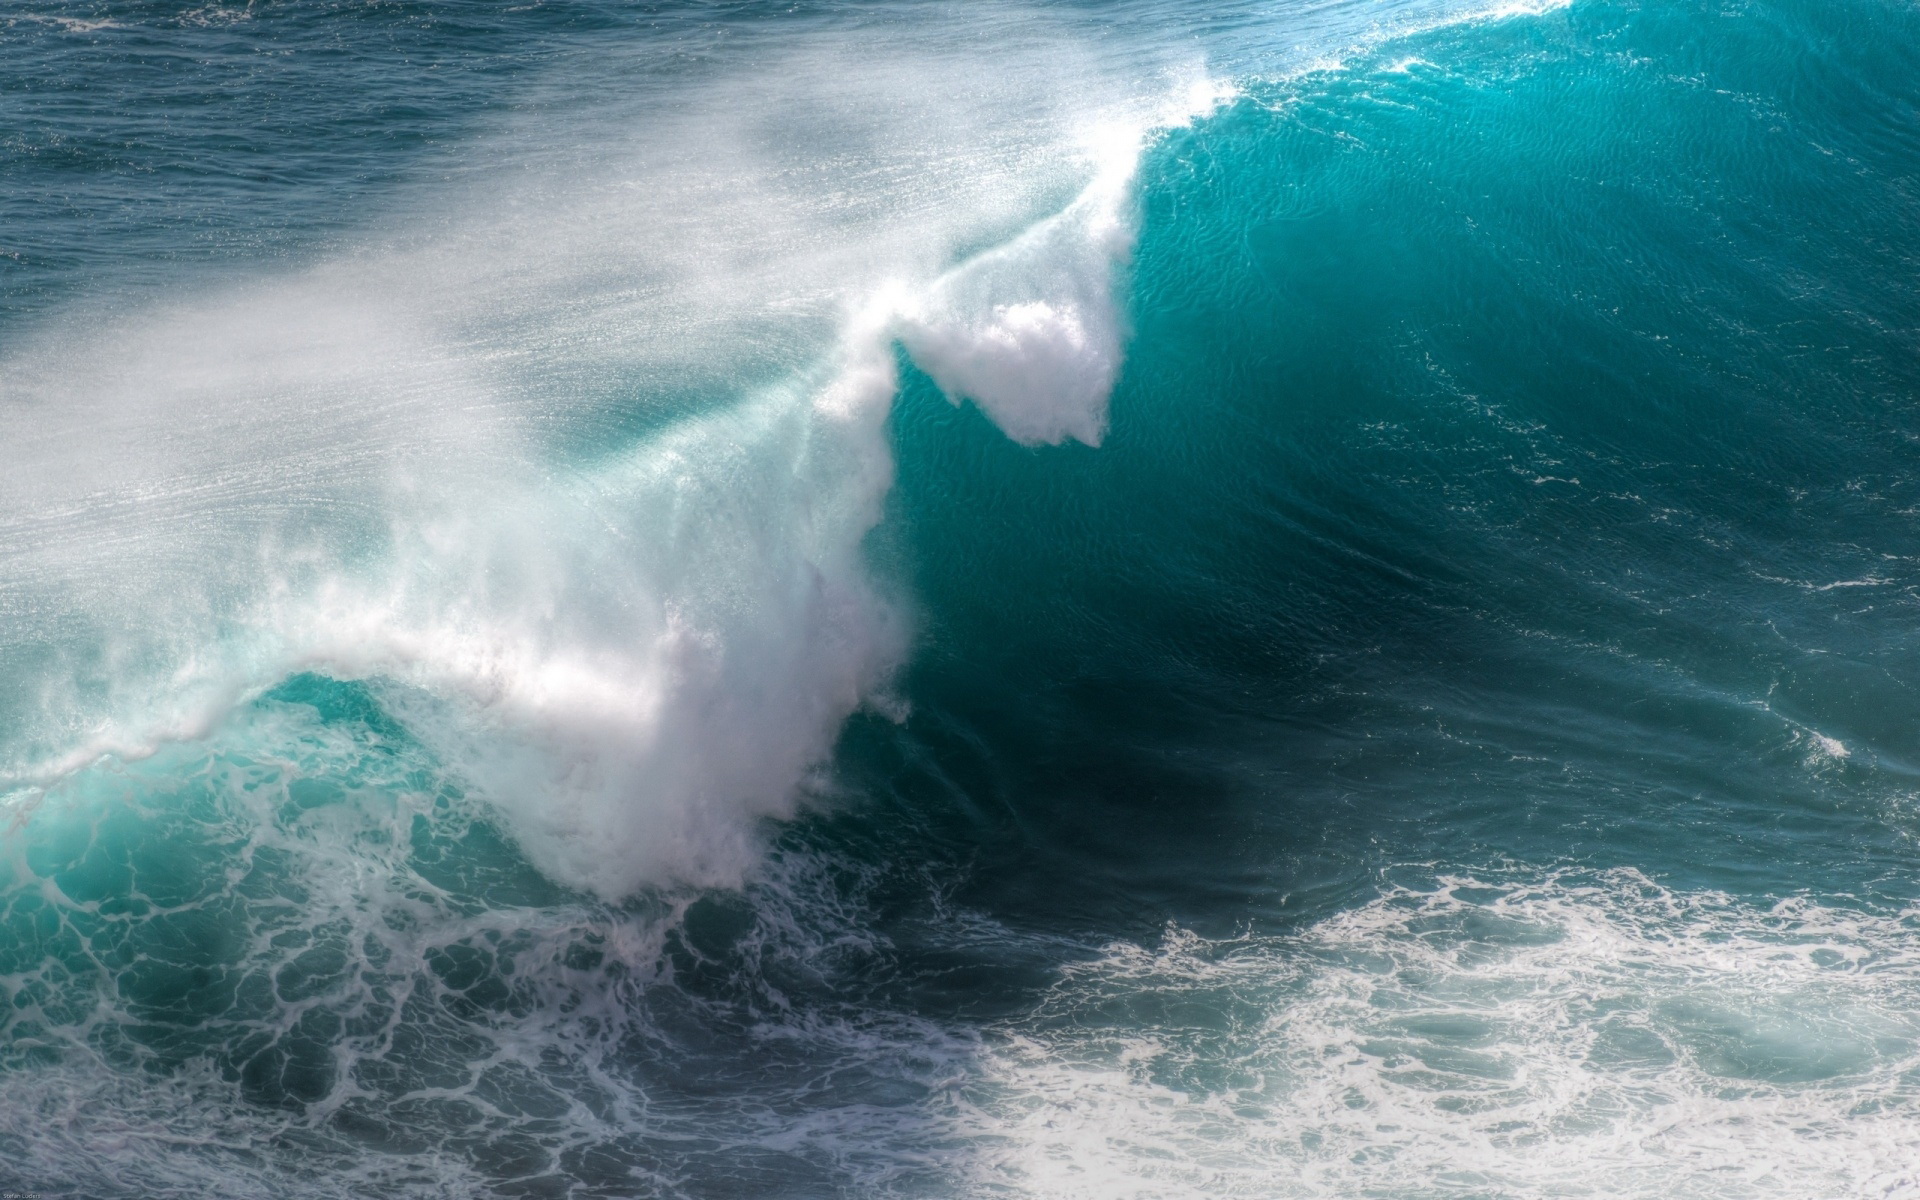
640,662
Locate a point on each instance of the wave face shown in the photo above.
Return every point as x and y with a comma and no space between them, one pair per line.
1311,600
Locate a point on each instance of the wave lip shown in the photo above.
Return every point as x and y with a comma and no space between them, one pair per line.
1034,331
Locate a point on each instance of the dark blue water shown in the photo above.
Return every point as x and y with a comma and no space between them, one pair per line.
712,600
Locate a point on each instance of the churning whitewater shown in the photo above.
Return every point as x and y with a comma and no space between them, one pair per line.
1314,599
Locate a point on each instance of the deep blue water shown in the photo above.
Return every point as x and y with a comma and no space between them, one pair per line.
872,599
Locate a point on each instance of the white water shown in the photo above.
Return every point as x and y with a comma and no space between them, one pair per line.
1575,1036
414,461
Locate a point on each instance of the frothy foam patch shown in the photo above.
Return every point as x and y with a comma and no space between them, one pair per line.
385,975
1576,1036
237,968
297,960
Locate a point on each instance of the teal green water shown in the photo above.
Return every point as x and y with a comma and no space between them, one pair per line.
704,601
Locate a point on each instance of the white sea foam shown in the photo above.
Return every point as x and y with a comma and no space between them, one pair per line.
1594,1035
636,664
1575,1034
1034,331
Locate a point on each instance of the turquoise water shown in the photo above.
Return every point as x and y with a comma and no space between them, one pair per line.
864,600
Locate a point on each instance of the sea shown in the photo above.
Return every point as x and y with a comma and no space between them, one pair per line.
1055,599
